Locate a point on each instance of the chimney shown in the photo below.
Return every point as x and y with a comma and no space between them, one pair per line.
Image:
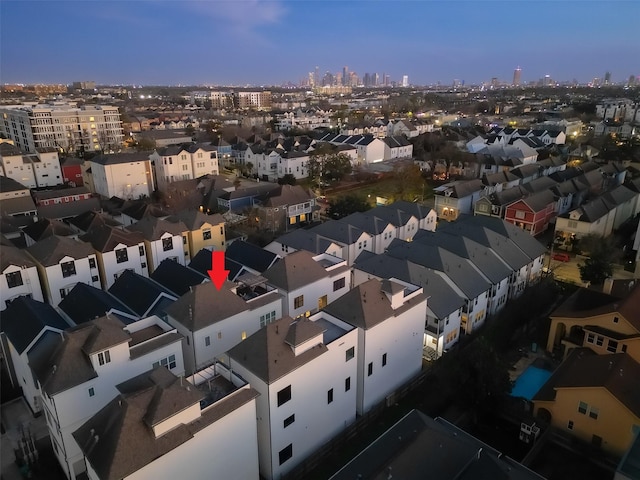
607,286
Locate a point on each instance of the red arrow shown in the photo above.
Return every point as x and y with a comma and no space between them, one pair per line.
217,273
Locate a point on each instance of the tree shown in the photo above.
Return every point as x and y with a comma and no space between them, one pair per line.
343,206
287,179
325,165
189,130
249,166
146,144
602,254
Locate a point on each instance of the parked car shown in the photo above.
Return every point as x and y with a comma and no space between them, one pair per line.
561,257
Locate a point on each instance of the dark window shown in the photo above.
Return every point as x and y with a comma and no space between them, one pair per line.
350,353
92,391
63,292
347,384
615,319
582,408
596,441
624,348
184,240
284,395
141,248
143,265
594,412
330,395
92,263
68,268
14,279
122,255
298,302
289,420
370,369
94,278
570,425
206,235
384,359
338,284
167,244
286,453
612,347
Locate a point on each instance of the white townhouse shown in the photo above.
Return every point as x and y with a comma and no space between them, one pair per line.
125,175
351,239
293,163
46,167
28,325
18,275
161,426
369,148
13,165
306,373
427,217
456,198
397,147
382,232
308,282
79,377
117,250
62,263
407,221
389,317
162,240
175,163
212,321
38,169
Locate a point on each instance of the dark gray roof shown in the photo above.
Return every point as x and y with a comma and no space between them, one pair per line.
121,158
338,232
8,184
153,228
295,271
175,277
250,255
24,319
91,218
301,239
68,210
54,248
10,255
138,292
105,238
44,228
84,303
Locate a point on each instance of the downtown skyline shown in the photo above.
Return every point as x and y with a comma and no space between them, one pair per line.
254,42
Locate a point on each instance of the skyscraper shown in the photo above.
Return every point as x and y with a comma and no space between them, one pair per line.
345,75
405,80
607,78
516,77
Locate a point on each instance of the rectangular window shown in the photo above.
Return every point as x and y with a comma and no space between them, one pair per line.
624,348
92,391
594,412
267,318
384,359
330,396
184,240
207,341
347,384
350,353
298,302
14,279
68,268
570,425
284,395
169,362
141,249
591,338
104,357
370,369
289,420
519,214
285,454
122,255
92,263
206,235
599,340
582,408
338,284
167,244
612,347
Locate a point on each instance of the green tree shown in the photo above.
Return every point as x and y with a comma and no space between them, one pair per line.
287,179
346,205
189,130
145,144
249,166
602,254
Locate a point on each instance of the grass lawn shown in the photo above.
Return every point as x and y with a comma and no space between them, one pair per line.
386,188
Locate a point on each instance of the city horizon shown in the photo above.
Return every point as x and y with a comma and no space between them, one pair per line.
278,43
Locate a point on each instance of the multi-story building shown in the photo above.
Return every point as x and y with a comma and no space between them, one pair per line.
202,231
79,376
183,163
252,100
62,126
18,276
306,373
285,205
40,169
62,263
124,175
163,240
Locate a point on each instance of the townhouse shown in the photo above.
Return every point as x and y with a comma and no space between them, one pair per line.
308,282
18,275
28,325
38,169
16,201
163,239
183,162
456,198
397,147
533,213
79,376
132,438
369,148
117,250
124,175
285,205
62,263
213,321
201,231
305,371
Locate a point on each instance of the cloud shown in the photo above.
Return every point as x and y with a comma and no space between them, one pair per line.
240,16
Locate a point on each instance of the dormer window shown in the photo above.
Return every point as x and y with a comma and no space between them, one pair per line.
167,244
104,357
68,268
14,279
122,255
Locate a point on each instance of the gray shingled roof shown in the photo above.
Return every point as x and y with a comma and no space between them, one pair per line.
54,248
295,271
152,228
105,238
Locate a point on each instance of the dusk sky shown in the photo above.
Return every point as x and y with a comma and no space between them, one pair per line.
271,42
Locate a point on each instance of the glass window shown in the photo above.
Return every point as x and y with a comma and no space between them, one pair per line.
141,249
285,454
207,341
384,359
370,369
347,384
92,263
330,396
289,420
92,391
206,235
582,408
594,412
167,244
14,279
338,284
122,255
612,347
68,268
284,395
298,302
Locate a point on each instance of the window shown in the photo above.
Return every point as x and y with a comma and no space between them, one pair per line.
338,284
599,340
298,302
519,214
347,384
207,341
184,240
594,412
612,347
243,335
330,396
68,269
615,319
624,348
91,391
104,357
206,235
219,335
289,420
267,318
122,255
92,263
591,338
169,362
384,359
94,278
570,425
350,353
167,244
284,395
286,453
582,408
14,279
370,369
141,249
